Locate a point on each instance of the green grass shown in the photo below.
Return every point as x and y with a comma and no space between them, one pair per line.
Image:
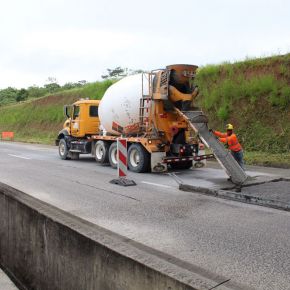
251,79
231,88
36,136
263,137
268,159
40,120
93,91
254,95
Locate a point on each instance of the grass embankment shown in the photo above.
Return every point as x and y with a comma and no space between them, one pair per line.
254,95
39,120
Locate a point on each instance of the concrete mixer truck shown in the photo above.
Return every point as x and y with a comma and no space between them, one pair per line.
155,112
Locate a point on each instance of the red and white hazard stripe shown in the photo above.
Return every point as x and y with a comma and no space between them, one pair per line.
146,115
122,157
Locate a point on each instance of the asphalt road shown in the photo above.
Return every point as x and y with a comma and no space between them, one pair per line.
245,243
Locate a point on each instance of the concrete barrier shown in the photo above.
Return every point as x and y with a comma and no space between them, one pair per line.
45,248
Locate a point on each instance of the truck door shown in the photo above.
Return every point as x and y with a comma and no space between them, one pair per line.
75,122
93,124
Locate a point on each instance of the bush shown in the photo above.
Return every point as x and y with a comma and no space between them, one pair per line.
8,96
223,113
280,98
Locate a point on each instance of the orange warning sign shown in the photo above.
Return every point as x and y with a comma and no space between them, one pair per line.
7,135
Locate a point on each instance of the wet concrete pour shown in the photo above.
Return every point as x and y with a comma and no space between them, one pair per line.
260,190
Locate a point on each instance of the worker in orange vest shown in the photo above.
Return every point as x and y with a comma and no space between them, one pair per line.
232,143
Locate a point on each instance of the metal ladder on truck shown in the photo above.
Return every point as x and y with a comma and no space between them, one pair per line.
145,102
198,122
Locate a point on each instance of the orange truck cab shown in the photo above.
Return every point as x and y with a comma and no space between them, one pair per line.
82,122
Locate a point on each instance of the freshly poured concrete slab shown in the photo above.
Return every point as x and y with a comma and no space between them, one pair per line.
276,190
262,190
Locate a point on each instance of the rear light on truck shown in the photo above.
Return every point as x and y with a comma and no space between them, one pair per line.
201,146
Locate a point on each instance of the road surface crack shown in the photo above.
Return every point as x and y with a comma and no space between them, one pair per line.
215,287
106,190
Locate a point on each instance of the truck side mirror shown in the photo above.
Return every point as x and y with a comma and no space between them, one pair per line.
67,111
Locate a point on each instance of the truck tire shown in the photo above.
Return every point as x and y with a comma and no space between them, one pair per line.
102,152
181,165
113,157
63,150
138,158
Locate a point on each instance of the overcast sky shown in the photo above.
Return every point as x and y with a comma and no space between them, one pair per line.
74,40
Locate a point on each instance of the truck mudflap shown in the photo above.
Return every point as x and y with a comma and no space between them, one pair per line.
172,159
198,122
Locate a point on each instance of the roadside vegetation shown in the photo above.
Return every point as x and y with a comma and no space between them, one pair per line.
12,95
38,116
253,95
39,120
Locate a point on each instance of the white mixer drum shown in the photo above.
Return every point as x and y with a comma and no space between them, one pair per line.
119,107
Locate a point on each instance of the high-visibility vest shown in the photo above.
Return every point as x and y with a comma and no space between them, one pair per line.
231,141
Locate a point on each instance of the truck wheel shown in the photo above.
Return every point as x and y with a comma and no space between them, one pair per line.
63,150
181,165
113,159
102,152
138,159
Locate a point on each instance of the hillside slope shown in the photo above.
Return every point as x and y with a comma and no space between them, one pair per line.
40,120
254,95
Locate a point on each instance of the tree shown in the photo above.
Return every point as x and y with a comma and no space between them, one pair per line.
52,88
22,95
8,95
36,92
120,72
82,82
51,80
115,73
52,85
68,86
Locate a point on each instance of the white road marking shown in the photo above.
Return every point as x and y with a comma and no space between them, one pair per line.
17,156
157,184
